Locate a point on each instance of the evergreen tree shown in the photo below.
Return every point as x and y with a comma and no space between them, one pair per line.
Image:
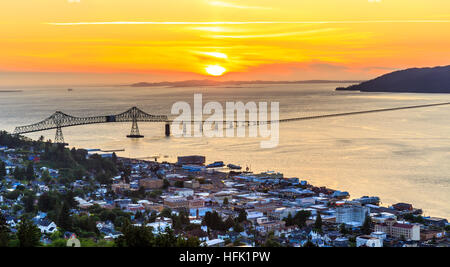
301,217
225,201
28,234
229,222
242,217
45,177
318,223
238,228
367,225
4,231
2,169
28,202
289,220
29,174
64,219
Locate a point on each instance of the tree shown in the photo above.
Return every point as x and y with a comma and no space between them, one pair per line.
45,177
64,219
29,174
229,222
166,184
343,230
28,234
366,228
4,231
133,236
238,228
289,220
301,217
225,201
318,223
179,184
28,202
242,217
2,169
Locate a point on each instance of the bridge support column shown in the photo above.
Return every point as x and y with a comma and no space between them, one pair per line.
135,130
167,129
59,137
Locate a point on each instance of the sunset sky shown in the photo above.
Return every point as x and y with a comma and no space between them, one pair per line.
122,41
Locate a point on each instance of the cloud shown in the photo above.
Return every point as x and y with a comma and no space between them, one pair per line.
273,34
240,22
231,5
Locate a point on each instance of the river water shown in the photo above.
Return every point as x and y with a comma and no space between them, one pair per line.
400,156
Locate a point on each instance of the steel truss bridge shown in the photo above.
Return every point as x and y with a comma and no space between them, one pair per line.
134,115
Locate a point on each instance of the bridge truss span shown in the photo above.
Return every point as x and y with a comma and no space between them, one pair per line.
60,120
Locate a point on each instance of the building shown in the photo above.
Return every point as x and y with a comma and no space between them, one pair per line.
351,215
399,230
368,200
191,160
193,184
403,207
151,183
269,226
120,187
341,242
369,241
215,243
176,202
196,203
427,235
439,222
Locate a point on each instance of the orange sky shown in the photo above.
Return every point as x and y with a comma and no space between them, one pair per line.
122,41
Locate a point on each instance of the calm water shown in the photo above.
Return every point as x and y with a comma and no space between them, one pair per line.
399,156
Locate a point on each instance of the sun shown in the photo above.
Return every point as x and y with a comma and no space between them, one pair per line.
215,70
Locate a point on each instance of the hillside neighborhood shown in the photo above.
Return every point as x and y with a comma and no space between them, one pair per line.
50,194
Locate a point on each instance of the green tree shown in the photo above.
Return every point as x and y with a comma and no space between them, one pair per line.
343,230
64,219
4,231
225,201
166,184
179,184
289,220
45,177
238,228
28,234
29,174
2,169
366,228
28,202
133,236
301,217
242,217
318,223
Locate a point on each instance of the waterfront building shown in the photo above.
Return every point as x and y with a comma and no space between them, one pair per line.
399,230
351,215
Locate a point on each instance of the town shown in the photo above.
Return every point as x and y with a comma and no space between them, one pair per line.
50,195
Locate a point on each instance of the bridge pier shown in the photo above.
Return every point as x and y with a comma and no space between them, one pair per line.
135,130
167,129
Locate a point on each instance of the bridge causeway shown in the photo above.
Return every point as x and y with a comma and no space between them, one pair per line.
59,120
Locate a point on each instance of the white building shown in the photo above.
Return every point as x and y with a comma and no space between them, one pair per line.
369,241
351,215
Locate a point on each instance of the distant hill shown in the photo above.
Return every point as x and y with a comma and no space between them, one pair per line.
416,80
192,83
